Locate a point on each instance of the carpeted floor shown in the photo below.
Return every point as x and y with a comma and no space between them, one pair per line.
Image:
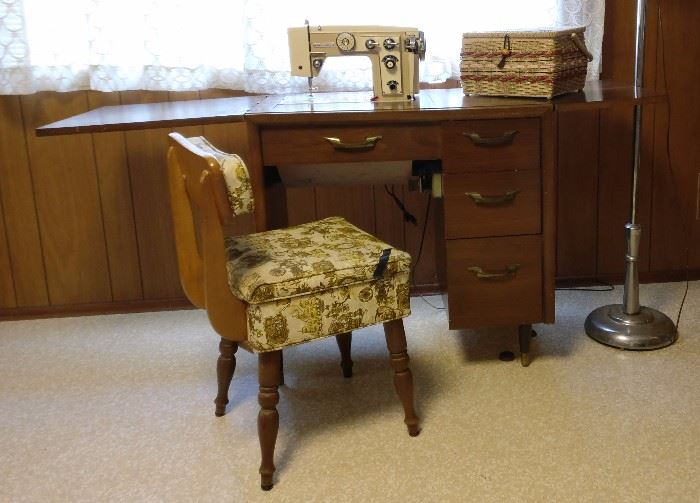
119,408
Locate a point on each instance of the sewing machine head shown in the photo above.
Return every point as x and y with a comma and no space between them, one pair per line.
394,52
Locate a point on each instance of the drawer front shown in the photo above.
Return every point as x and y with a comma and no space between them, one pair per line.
505,290
382,142
492,204
491,145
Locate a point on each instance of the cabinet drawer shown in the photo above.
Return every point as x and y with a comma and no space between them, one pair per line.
491,145
381,142
505,290
492,204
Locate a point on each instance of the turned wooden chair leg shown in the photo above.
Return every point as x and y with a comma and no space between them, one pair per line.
524,335
403,379
268,418
225,366
344,343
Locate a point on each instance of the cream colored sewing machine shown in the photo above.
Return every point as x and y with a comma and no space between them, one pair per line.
394,52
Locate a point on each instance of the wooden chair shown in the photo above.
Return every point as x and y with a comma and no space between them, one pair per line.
269,290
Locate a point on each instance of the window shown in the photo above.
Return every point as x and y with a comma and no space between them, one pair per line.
179,45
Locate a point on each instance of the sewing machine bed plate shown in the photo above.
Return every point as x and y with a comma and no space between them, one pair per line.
428,103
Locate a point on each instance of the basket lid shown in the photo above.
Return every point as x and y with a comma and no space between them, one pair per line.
550,32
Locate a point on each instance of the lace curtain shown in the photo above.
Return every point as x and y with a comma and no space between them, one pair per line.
178,45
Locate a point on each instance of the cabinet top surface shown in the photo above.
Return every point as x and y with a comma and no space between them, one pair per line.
431,105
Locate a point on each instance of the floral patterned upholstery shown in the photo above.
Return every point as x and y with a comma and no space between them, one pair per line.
285,322
240,190
309,281
315,280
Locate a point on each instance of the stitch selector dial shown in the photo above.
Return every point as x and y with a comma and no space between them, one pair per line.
345,41
389,43
390,61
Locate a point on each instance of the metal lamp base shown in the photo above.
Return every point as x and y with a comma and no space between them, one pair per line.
648,329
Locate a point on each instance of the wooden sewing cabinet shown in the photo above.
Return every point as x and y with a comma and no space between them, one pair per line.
496,249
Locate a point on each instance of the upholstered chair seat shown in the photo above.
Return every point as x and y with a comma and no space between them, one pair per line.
270,290
314,280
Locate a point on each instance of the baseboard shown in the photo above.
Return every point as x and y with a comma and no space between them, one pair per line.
619,278
139,306
432,289
130,306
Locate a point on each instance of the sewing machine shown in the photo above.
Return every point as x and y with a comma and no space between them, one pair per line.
394,52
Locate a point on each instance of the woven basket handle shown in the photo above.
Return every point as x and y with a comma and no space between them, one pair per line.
581,46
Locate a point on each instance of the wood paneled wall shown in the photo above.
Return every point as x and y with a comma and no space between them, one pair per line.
676,174
595,155
85,222
85,218
372,209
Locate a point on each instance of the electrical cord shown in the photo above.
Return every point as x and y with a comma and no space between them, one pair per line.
684,222
407,216
602,287
422,237
431,304
420,251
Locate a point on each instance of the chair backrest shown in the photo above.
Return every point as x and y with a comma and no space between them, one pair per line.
202,211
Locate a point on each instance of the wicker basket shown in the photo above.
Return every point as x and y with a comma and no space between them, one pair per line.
538,64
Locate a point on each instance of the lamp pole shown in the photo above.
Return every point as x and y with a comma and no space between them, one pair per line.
629,325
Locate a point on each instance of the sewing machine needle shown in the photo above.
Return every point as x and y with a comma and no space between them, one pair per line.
310,88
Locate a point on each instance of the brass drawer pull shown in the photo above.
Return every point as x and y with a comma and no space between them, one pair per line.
508,197
505,139
367,144
481,274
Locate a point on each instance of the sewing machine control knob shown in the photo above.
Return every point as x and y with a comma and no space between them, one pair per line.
390,61
393,85
345,41
416,45
389,43
371,44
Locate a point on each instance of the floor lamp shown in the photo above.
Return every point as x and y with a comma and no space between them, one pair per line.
629,325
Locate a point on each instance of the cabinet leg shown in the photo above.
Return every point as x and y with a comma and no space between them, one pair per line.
524,335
